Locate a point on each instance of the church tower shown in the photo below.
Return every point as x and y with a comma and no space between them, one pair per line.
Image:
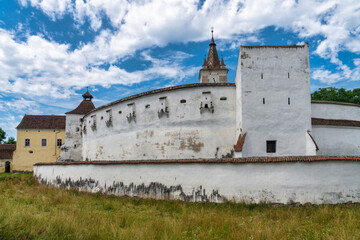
213,71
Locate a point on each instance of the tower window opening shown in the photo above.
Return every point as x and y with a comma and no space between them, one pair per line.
262,76
263,100
182,101
223,99
271,146
288,75
288,101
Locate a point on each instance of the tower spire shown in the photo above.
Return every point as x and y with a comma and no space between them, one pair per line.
213,58
213,71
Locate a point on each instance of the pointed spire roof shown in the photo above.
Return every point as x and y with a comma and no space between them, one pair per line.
213,61
205,63
87,95
85,106
222,64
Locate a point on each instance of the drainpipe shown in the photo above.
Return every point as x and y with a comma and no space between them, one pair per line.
56,142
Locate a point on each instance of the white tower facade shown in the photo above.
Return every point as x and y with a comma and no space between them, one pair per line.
273,101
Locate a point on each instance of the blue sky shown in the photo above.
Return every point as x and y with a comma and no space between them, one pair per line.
51,50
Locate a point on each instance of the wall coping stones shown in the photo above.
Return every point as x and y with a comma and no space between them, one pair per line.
214,160
335,103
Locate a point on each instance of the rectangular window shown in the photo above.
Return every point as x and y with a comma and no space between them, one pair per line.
27,142
271,146
59,142
43,142
288,101
263,100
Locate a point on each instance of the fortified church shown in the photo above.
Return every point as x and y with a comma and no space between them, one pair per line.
266,112
251,141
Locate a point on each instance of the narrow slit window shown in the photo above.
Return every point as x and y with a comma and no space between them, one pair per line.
271,146
223,99
182,101
288,101
262,76
263,100
288,75
147,106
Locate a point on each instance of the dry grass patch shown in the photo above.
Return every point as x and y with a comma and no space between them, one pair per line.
33,211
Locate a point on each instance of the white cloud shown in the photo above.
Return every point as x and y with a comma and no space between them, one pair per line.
19,105
39,67
325,76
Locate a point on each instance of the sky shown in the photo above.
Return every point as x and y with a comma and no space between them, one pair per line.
51,50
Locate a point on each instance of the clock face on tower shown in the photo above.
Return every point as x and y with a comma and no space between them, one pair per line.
214,78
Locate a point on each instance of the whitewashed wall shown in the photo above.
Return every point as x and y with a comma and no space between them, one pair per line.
336,140
314,182
335,111
273,99
187,132
72,148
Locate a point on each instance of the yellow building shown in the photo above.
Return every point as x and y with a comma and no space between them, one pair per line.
6,157
39,138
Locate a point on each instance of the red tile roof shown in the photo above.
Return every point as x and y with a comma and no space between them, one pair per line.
335,122
6,151
84,107
42,122
240,142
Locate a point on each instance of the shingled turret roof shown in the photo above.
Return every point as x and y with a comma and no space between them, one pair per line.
42,122
85,106
213,61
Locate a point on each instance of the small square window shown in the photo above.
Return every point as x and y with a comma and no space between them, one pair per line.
43,142
27,142
271,146
59,142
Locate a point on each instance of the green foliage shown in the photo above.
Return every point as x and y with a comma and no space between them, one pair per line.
338,95
10,140
2,135
29,210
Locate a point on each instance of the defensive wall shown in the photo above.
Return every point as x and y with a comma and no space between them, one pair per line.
187,121
336,127
198,121
316,179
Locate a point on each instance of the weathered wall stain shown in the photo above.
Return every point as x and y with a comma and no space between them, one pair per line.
153,190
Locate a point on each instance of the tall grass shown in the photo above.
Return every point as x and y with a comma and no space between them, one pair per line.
32,211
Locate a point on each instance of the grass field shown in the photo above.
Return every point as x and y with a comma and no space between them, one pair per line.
32,211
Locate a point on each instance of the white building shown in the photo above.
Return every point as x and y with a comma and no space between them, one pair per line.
267,112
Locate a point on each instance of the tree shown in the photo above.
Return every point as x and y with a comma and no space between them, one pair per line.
2,135
338,95
11,140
